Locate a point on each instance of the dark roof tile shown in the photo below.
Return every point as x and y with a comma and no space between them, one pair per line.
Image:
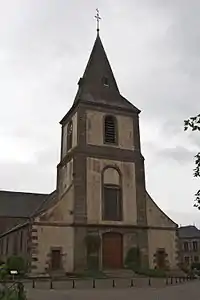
48,202
19,204
189,232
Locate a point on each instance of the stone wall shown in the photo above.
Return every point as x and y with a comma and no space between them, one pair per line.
164,239
64,136
95,129
50,237
16,242
94,190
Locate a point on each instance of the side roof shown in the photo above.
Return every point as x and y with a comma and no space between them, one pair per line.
48,202
190,231
19,204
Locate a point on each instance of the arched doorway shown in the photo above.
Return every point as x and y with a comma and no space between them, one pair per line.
112,250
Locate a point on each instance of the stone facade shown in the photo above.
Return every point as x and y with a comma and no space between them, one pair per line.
59,229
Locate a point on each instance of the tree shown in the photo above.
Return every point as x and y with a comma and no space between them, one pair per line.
194,124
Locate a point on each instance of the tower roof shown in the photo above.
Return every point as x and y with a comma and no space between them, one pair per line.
98,84
98,68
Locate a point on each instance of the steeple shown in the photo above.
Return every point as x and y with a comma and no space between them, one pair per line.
98,73
98,84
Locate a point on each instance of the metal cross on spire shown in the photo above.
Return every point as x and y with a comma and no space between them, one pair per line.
98,19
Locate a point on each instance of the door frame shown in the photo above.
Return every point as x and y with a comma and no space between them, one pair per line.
51,251
121,245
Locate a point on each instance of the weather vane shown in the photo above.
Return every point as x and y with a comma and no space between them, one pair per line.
98,19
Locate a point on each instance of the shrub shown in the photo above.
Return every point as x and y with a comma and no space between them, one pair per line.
2,262
3,272
93,262
133,258
195,266
93,243
16,263
150,272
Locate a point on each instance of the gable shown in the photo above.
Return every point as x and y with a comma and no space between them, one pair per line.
58,210
155,216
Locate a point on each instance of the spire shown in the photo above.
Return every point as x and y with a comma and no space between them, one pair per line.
98,84
98,73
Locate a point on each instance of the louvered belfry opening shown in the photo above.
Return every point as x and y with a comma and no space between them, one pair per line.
110,134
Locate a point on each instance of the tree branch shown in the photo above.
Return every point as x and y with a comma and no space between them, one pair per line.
194,124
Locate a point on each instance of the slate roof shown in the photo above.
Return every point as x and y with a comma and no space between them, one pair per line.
19,204
48,202
189,232
91,88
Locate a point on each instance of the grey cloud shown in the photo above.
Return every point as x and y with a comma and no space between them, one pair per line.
187,218
48,158
27,177
153,47
178,153
173,127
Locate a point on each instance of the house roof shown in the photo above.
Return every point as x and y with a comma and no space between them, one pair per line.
19,204
189,232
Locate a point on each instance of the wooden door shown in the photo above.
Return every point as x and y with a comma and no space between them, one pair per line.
161,255
112,251
55,259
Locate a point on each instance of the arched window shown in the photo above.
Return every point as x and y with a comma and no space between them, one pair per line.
69,135
110,130
111,195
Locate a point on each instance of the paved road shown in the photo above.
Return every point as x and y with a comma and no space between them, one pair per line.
185,291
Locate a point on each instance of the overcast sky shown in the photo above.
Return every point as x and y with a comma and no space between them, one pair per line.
154,50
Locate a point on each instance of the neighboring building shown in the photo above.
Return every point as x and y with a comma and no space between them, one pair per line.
189,237
101,193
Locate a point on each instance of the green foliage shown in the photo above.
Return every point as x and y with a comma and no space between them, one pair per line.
93,243
8,294
133,258
195,266
194,124
157,273
3,272
2,262
14,292
16,263
93,262
95,274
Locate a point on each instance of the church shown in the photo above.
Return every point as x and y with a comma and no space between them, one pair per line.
100,209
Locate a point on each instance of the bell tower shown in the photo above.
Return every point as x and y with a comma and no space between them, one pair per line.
101,170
